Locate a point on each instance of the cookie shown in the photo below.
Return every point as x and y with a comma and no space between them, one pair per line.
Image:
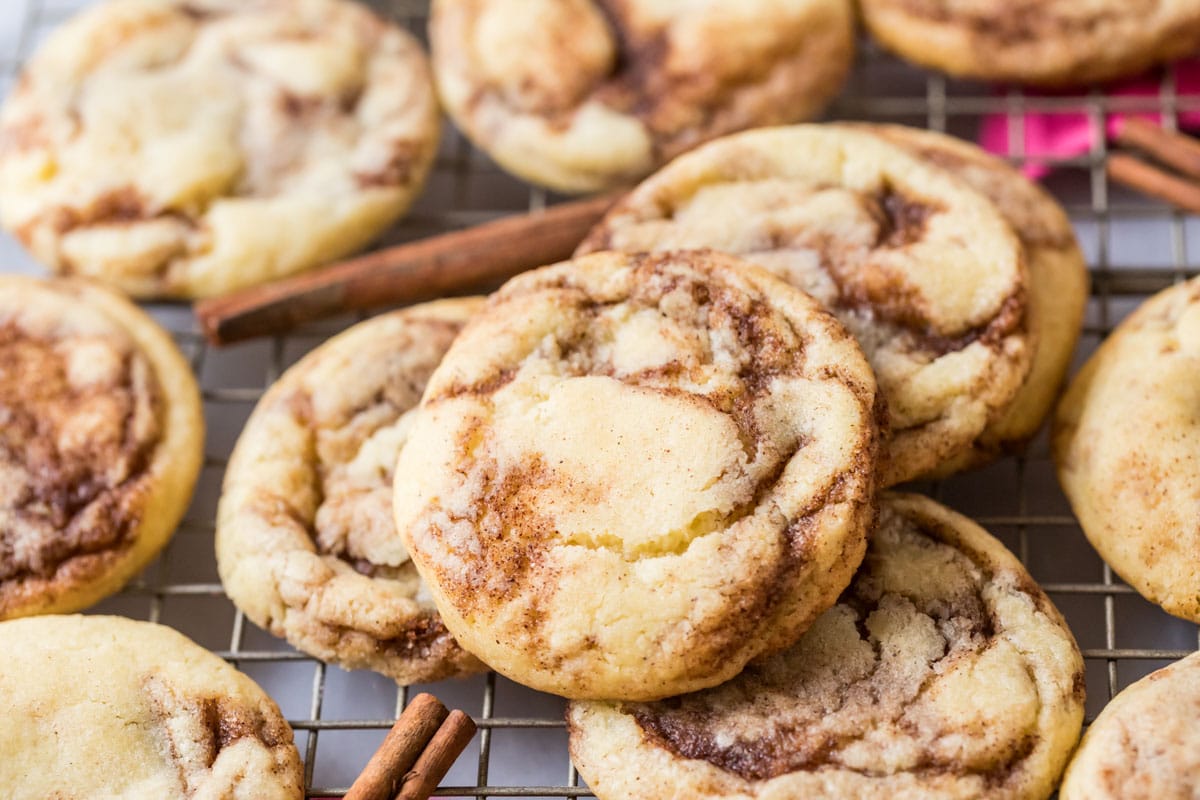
305,537
1127,446
942,672
109,707
101,443
1044,42
920,268
631,475
186,148
1058,282
1144,745
584,95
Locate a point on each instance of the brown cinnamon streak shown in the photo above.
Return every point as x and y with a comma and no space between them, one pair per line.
454,263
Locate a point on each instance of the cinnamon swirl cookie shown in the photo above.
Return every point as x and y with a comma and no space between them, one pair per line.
633,474
922,270
1145,745
1047,42
108,707
187,148
1058,281
582,95
1127,446
942,672
101,441
305,538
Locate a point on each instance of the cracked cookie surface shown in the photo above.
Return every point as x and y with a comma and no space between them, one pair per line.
1144,745
921,269
187,148
1126,443
305,534
942,672
1047,42
101,439
632,474
107,707
583,95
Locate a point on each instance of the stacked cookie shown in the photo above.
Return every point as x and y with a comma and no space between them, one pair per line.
646,480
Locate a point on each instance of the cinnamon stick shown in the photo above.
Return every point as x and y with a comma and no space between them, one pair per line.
438,757
1173,149
453,263
1145,178
401,749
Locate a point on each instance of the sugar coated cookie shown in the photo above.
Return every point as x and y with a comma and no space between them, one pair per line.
923,270
582,95
101,441
106,707
631,475
187,148
942,672
305,537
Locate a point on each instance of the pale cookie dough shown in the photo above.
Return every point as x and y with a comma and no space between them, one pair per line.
305,537
1127,446
583,95
1145,745
633,474
186,148
101,441
923,270
1058,282
943,672
1047,42
106,708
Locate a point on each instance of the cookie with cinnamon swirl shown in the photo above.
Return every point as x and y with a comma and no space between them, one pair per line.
942,672
583,95
305,538
923,270
1045,42
187,148
1058,282
631,475
113,708
101,441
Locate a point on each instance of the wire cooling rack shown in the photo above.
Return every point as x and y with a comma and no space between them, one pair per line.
1134,247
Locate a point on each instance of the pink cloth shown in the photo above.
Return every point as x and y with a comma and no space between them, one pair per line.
1055,136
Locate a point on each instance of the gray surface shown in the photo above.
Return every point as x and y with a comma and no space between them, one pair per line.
340,717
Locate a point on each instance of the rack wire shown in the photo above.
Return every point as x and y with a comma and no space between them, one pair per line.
1134,247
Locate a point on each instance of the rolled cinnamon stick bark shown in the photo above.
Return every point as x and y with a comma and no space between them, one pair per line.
459,262
385,773
1150,180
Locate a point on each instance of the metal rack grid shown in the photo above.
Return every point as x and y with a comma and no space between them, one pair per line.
1134,248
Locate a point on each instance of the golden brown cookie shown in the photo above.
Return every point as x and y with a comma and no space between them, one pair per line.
106,707
922,269
1058,281
583,95
101,442
1145,745
631,475
305,537
187,148
1047,42
943,672
1127,446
